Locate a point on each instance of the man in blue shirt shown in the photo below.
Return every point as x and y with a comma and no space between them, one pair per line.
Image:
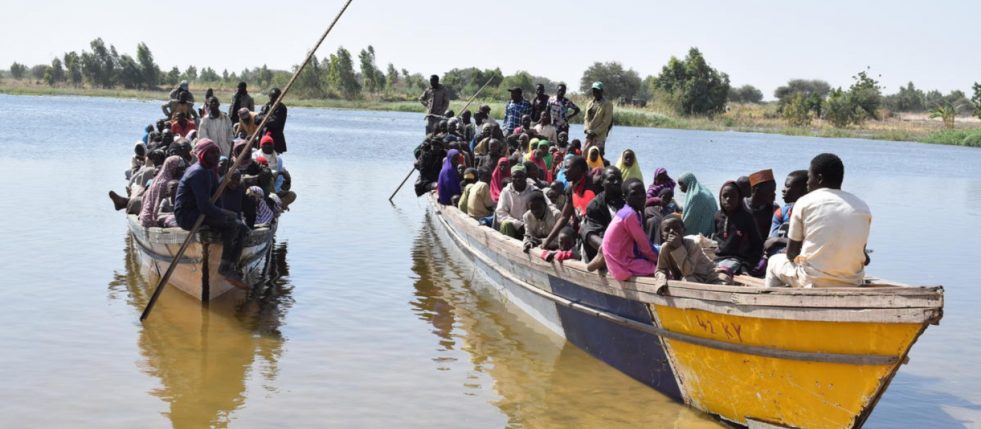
515,108
193,199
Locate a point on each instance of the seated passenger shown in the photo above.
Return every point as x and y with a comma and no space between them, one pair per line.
763,192
556,194
578,195
172,169
539,220
599,214
449,179
568,248
429,161
194,199
139,158
661,181
829,229
594,158
500,178
682,257
182,126
740,245
246,125
628,166
793,188
513,203
137,184
700,207
479,203
626,250
165,214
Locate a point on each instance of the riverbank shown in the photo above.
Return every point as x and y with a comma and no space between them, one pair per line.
758,118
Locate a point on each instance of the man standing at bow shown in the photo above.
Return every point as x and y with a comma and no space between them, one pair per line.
437,101
515,109
599,118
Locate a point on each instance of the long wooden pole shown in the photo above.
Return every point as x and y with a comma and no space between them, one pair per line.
238,160
406,179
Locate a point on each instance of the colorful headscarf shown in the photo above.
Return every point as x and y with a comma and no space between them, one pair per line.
661,181
599,158
631,172
700,207
158,190
449,179
501,171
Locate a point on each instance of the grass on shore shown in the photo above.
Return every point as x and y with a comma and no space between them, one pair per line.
760,118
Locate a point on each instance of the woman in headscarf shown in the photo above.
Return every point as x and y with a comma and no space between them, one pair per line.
740,244
698,213
628,166
538,158
661,181
449,178
501,171
594,159
172,169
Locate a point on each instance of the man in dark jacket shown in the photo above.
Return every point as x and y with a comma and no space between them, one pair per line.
193,199
277,120
240,100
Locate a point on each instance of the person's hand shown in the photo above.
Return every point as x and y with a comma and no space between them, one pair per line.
672,241
528,246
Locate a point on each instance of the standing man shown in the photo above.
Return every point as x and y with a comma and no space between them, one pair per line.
437,100
559,107
515,109
829,229
217,127
277,120
538,104
599,118
240,100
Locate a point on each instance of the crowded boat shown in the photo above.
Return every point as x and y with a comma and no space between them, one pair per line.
564,199
182,158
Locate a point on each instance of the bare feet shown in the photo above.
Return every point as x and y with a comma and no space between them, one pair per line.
119,201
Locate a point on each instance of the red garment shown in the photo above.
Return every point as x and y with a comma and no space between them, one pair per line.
581,196
178,130
501,171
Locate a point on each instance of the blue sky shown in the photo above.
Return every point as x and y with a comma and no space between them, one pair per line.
763,43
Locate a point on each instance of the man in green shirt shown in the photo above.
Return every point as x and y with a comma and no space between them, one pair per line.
599,118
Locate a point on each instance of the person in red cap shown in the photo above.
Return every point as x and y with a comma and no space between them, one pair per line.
763,192
193,199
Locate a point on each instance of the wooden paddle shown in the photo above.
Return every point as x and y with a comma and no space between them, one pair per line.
461,110
234,167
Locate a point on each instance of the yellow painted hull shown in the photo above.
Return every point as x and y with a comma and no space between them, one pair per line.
786,392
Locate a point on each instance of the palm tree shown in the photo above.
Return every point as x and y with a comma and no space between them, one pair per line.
947,111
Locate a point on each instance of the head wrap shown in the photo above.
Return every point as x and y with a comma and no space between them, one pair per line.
449,179
761,177
661,181
700,207
158,190
202,147
501,172
631,172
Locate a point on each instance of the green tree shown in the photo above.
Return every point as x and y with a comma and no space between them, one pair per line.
308,83
465,82
692,85
812,90
373,80
148,68
745,94
391,77
209,74
173,76
129,75
839,109
191,73
976,99
73,68
55,73
866,94
18,70
38,71
797,110
617,81
946,111
908,99
340,74
265,75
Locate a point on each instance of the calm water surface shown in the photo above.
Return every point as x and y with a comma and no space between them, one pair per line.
375,322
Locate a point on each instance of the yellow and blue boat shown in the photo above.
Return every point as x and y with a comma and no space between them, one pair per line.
755,356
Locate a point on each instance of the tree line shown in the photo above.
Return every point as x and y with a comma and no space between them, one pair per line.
689,85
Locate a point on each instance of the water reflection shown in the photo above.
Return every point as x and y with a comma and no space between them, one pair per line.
204,356
541,380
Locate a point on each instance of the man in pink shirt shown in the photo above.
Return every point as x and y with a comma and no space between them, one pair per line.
626,248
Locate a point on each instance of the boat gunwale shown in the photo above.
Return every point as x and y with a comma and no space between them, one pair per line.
887,304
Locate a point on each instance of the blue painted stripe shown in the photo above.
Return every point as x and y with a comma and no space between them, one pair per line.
637,354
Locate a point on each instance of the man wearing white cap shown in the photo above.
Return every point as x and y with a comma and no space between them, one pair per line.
599,118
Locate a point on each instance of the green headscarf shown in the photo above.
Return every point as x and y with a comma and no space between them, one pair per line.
700,207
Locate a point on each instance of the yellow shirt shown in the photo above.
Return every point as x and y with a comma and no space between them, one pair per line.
599,118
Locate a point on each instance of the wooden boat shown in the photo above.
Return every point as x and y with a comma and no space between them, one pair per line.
197,271
755,356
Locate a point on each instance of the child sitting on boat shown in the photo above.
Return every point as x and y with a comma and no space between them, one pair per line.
683,258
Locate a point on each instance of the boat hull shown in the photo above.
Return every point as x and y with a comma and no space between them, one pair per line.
749,355
196,273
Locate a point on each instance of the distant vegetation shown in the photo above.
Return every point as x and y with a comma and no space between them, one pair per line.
686,91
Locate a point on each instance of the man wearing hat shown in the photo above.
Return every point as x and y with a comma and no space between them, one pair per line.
515,109
437,100
760,201
240,100
599,118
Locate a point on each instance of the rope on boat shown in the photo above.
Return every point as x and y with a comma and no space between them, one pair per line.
770,352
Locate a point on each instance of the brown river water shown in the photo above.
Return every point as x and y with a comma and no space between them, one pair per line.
374,320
